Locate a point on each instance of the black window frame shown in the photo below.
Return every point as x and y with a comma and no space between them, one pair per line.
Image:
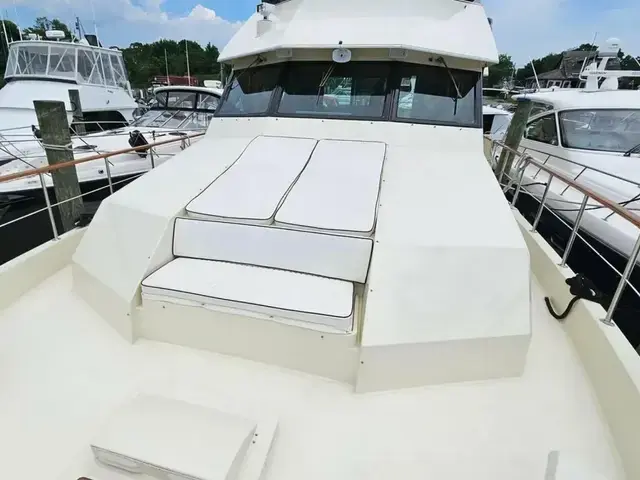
385,104
478,120
274,94
389,112
195,108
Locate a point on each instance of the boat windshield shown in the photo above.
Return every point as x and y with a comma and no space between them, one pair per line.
66,61
391,91
601,130
181,109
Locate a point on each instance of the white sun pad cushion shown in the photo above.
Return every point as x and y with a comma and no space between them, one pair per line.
268,291
339,189
254,186
335,256
167,438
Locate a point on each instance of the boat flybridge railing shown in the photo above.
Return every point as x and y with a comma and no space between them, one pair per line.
512,183
76,62
42,172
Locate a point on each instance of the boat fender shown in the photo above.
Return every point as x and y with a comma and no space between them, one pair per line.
581,288
136,139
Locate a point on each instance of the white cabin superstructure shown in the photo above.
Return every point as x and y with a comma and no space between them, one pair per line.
46,70
300,293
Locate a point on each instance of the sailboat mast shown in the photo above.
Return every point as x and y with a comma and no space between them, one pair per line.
166,67
186,47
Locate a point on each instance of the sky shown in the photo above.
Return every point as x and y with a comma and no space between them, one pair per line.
524,29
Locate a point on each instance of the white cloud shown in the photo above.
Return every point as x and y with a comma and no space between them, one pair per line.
532,28
121,22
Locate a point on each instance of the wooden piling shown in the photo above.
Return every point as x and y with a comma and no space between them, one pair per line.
54,128
76,109
514,136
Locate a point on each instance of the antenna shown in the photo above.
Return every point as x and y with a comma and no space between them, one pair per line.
4,28
95,25
15,11
166,66
535,74
589,56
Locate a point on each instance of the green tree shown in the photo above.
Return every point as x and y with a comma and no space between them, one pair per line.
500,73
545,64
42,24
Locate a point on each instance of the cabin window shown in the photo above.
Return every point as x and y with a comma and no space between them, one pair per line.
250,91
335,90
601,130
207,102
537,108
62,62
182,100
543,130
438,95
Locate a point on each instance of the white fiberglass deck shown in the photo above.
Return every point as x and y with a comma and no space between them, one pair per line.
64,371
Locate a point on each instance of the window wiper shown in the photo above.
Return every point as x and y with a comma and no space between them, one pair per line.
455,84
632,150
258,60
323,82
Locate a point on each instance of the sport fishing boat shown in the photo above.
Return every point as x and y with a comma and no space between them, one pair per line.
303,293
45,69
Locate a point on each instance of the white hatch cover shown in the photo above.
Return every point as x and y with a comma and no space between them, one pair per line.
339,189
167,438
253,187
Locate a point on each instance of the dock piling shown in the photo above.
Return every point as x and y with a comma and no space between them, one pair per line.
56,139
514,136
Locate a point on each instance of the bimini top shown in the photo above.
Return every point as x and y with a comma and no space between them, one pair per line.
419,25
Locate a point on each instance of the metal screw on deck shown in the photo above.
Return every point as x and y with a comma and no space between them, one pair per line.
514,136
56,140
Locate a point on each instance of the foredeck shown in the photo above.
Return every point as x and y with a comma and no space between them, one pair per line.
64,370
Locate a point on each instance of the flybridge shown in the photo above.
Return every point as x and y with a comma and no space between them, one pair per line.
415,26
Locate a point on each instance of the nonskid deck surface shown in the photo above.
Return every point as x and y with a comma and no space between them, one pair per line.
63,371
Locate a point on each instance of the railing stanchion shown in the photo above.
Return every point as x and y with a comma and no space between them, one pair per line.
542,202
633,258
519,187
106,164
49,209
574,232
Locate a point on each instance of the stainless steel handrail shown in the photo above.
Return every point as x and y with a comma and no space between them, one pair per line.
526,159
41,172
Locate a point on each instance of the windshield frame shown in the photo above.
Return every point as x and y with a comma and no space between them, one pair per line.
390,101
563,135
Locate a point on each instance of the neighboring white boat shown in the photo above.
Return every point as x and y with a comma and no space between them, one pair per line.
593,135
306,292
47,70
496,122
179,110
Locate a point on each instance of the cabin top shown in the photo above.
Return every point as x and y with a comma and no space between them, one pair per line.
573,99
407,26
74,62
